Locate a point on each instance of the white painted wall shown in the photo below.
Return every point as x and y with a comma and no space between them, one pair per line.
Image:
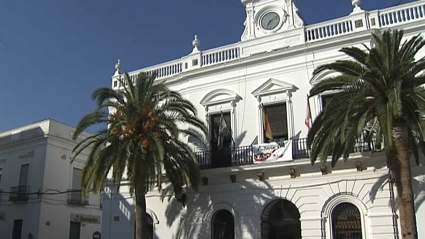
48,150
260,60
311,192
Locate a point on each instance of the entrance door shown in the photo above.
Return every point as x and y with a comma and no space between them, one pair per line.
221,144
74,230
17,229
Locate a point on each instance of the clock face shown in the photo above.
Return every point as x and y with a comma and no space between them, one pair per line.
270,21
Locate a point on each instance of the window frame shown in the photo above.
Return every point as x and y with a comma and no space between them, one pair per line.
264,106
213,219
220,101
334,202
271,92
332,231
289,118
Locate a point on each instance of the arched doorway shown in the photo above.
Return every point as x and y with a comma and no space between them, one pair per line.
346,222
223,225
280,220
150,227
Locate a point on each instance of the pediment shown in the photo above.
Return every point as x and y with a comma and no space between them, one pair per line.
273,86
219,96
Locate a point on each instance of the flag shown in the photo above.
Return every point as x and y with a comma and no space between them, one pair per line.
222,131
267,129
308,116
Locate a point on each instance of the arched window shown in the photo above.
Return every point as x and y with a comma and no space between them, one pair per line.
280,219
346,222
223,225
150,227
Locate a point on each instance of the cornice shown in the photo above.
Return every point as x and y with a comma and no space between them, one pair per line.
302,49
254,76
23,145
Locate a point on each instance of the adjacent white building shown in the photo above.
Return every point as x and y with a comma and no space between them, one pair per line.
39,187
266,77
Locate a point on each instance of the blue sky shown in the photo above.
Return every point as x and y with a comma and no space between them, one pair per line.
53,54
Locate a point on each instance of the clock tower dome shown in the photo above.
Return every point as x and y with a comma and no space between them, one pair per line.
265,17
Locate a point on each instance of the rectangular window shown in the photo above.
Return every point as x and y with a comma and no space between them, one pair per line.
74,230
215,126
17,229
326,99
275,123
221,145
23,177
77,175
76,196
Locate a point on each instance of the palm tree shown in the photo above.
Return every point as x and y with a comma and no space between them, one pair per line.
143,140
381,85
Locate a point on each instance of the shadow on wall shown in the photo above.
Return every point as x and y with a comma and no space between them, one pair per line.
418,184
120,221
202,144
196,217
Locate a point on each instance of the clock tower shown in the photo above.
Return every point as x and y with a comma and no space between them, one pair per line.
265,17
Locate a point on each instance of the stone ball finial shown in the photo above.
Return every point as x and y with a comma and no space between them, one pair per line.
196,43
356,3
118,67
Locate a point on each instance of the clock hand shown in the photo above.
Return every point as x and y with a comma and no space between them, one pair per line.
269,22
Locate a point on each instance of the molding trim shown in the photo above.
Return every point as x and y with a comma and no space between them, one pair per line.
209,214
334,201
210,98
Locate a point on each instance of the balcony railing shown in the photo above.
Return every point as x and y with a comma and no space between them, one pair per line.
239,156
19,193
75,197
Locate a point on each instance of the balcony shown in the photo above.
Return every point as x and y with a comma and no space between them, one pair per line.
75,197
240,156
19,194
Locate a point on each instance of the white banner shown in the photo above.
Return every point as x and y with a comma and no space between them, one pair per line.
272,152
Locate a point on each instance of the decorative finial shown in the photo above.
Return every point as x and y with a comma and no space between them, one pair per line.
118,67
196,43
356,5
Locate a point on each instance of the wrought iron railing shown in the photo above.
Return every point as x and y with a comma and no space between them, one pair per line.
19,193
75,197
239,156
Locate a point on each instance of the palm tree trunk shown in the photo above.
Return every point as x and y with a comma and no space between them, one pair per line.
141,220
400,166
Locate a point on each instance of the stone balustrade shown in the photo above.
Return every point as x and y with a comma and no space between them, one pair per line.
357,21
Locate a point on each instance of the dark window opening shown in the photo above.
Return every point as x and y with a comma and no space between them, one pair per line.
17,229
346,222
275,123
74,230
221,139
280,219
326,99
223,225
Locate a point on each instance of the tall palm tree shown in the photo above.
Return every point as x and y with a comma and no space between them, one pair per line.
381,85
143,141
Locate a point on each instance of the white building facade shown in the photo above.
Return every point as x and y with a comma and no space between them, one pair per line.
266,78
40,195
